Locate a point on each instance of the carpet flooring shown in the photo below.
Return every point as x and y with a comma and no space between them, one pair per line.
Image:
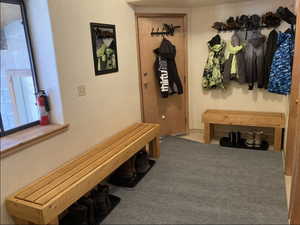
193,183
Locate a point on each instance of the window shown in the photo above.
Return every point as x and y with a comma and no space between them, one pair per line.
18,84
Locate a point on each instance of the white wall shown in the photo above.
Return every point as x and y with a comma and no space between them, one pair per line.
44,55
237,97
112,102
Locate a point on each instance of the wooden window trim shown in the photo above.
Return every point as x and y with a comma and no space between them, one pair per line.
21,140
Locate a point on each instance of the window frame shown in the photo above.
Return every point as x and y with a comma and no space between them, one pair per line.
32,63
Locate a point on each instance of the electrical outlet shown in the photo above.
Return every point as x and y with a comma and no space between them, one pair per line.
81,90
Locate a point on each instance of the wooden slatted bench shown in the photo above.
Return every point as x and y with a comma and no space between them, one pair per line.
244,118
45,199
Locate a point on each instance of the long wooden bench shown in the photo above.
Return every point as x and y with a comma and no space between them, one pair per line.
244,118
45,199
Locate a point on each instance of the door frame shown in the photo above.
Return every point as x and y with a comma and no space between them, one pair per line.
294,102
294,207
186,65
292,162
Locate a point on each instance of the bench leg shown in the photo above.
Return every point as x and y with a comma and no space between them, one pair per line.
54,222
278,139
154,148
20,221
208,132
24,222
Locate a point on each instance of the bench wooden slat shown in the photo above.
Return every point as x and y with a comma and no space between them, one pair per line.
43,195
51,194
244,118
99,151
239,112
40,183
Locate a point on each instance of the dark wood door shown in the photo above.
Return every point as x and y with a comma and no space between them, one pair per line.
170,113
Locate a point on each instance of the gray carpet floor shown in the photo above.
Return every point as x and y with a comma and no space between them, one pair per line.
193,183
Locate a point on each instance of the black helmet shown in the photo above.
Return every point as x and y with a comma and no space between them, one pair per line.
286,15
232,24
243,21
254,22
271,20
220,26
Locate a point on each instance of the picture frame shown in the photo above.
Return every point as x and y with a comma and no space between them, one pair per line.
104,45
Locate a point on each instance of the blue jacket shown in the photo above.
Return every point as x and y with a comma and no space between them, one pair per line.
281,70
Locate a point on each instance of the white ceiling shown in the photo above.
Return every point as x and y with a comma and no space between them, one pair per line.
179,3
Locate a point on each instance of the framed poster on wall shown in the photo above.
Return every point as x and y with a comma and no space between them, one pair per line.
104,48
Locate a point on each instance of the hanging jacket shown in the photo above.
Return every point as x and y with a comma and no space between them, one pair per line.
255,63
270,51
235,65
281,70
212,76
166,69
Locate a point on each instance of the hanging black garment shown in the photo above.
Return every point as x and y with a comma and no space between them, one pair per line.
166,69
270,51
255,56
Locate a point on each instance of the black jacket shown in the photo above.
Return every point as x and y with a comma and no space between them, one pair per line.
255,59
270,51
166,69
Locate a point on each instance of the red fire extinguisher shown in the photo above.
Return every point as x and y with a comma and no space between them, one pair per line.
42,101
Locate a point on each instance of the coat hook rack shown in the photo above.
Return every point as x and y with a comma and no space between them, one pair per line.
167,29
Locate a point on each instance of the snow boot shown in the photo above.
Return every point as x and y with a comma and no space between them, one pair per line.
142,161
90,204
102,201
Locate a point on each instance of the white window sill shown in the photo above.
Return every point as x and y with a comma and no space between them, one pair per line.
23,139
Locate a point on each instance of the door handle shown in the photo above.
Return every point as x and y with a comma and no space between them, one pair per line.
145,85
145,74
297,101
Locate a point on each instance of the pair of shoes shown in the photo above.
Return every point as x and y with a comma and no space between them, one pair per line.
77,214
142,164
254,139
87,210
102,201
89,203
235,138
127,173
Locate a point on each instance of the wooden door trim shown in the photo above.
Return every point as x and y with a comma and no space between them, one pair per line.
293,154
186,68
294,207
294,98
139,66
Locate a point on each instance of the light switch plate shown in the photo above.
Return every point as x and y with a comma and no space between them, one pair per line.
81,90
